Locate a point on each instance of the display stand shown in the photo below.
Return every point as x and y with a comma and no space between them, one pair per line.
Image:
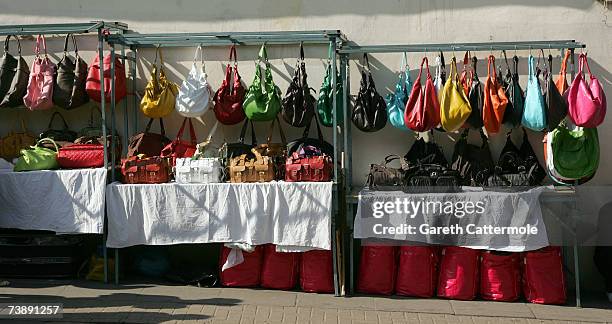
346,53
322,37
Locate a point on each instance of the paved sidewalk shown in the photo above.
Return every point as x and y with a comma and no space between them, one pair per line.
88,302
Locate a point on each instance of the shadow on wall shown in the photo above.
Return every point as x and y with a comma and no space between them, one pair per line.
220,10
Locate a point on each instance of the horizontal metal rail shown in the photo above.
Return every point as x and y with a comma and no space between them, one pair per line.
58,29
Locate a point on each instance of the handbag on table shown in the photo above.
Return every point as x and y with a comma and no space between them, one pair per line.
69,88
384,175
423,108
396,101
38,157
180,148
232,150
260,168
160,93
260,106
93,84
326,96
14,73
319,142
148,170
61,135
309,164
201,168
422,152
298,105
276,151
229,97
474,163
511,168
39,95
495,100
370,110
586,102
77,156
195,96
147,143
454,105
432,175
12,144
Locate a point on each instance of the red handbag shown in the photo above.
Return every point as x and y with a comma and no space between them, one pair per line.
280,270
146,170
229,97
308,165
246,274
458,277
500,276
543,279
377,270
77,156
423,109
180,148
93,80
417,262
316,272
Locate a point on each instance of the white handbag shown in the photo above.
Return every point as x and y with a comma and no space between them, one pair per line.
195,95
199,168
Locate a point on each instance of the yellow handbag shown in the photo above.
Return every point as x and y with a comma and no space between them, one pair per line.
14,142
160,93
454,105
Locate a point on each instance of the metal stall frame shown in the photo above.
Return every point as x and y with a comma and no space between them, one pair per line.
99,27
333,38
352,49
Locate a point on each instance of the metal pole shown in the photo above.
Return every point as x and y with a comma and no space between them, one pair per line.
336,190
125,110
106,162
112,106
135,91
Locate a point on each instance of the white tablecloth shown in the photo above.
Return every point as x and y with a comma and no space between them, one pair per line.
64,201
289,214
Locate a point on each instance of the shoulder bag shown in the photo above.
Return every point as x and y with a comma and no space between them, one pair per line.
534,115
69,88
147,143
14,74
93,84
423,109
229,97
495,100
474,163
276,151
63,134
298,105
510,169
576,152
476,97
370,110
561,82
39,94
38,157
396,101
384,175
180,148
14,142
310,165
454,105
326,95
260,106
516,98
422,152
136,170
195,96
587,102
257,169
556,105
160,93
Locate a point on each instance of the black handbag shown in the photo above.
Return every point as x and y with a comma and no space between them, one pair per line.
510,169
384,175
474,163
422,152
370,111
320,143
432,175
516,98
556,105
231,150
530,161
298,106
14,74
63,134
70,77
476,97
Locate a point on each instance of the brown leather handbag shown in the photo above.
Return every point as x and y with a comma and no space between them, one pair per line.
11,144
147,143
276,151
145,170
384,175
258,169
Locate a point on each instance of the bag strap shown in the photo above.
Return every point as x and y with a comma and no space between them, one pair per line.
41,41
453,69
550,69
489,64
506,59
61,117
161,126
195,57
74,44
7,41
280,130
192,135
244,129
50,140
563,70
426,63
484,138
367,62
585,62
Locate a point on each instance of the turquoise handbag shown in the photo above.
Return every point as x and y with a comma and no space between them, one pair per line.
396,102
534,114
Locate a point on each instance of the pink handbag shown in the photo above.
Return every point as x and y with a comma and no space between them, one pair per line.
586,102
39,94
422,111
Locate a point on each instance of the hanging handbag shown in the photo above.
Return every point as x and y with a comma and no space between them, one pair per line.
39,95
69,88
319,142
534,115
495,100
475,96
147,143
180,148
260,168
12,144
229,97
200,168
298,105
160,93
370,110
576,152
260,106
516,98
136,170
396,102
77,156
326,95
550,166
454,105
93,84
422,152
423,109
14,74
38,157
384,175
440,78
63,134
561,82
556,106
510,169
276,151
195,96
474,163
587,102
309,164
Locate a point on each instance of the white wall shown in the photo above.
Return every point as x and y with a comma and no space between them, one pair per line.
364,22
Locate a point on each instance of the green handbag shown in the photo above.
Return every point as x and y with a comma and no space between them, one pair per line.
576,152
326,99
259,106
38,157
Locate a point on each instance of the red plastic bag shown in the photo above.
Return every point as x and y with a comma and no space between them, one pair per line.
500,276
543,279
417,271
377,269
316,272
246,274
458,273
280,270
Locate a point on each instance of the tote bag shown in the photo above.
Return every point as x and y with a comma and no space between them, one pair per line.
229,97
69,88
160,93
475,95
556,105
396,102
370,111
516,98
495,100
454,105
14,74
298,105
195,94
39,95
260,106
587,102
423,109
534,115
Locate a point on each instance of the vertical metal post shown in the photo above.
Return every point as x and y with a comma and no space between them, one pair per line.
336,189
125,110
347,171
106,160
112,106
135,91
576,257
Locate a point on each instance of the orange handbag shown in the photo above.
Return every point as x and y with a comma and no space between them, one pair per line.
561,82
495,100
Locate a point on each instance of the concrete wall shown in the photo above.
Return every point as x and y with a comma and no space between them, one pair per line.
364,22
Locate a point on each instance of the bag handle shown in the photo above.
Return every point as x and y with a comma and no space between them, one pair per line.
453,69
61,117
426,63
74,44
192,135
243,132
506,59
563,70
367,62
307,130
7,41
584,62
393,157
280,130
41,41
161,126
50,140
489,64
195,57
484,138
515,61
